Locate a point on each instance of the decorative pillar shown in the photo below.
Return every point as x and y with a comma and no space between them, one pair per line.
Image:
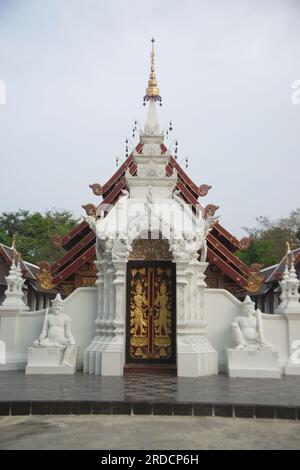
200,289
195,355
112,298
33,302
106,352
99,284
93,354
40,302
190,292
113,356
181,283
291,310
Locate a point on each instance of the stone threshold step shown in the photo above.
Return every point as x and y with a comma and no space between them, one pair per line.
155,369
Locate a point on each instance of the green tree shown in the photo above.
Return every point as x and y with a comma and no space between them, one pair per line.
33,231
269,239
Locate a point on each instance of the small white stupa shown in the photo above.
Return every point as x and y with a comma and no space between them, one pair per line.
14,295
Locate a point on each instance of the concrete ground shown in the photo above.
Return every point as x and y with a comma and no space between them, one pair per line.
146,432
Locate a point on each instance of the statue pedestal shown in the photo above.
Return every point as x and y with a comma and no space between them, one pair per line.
256,364
292,366
292,369
196,357
50,360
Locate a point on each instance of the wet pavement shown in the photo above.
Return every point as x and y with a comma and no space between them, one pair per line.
149,394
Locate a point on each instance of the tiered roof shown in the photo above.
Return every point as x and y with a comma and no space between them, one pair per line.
274,273
80,242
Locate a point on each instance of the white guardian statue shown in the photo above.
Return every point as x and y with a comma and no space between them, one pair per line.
252,355
247,329
55,351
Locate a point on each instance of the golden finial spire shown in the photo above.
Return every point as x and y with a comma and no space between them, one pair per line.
152,91
13,247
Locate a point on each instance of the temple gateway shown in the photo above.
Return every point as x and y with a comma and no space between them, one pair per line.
150,282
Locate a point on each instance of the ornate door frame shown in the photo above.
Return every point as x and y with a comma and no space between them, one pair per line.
151,263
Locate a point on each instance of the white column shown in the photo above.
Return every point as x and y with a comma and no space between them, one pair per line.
99,284
113,357
112,293
291,310
190,291
93,353
40,301
181,283
33,301
105,292
201,286
195,355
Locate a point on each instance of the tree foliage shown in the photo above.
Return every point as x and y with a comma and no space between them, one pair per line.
33,231
269,239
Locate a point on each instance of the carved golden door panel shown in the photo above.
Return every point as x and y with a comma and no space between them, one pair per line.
151,315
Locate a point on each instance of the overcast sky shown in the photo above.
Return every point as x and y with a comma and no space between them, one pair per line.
76,73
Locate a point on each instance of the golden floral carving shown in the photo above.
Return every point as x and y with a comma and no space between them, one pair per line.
148,249
150,313
254,282
45,276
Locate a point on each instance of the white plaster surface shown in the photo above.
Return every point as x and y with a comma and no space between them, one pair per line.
256,364
48,360
20,329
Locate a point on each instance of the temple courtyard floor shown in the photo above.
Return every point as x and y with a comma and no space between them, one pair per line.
163,412
146,394
146,432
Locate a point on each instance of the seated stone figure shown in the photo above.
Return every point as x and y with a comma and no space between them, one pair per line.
57,330
247,329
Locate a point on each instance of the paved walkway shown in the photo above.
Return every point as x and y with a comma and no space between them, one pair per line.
16,386
146,432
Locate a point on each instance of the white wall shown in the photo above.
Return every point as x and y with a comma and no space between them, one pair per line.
275,328
19,330
221,309
81,306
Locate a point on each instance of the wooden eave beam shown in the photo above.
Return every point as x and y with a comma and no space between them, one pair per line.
73,233
217,245
75,265
226,268
224,233
59,264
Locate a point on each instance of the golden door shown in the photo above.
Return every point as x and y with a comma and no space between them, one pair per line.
151,311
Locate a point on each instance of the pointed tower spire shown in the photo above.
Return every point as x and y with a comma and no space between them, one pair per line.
152,91
152,95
